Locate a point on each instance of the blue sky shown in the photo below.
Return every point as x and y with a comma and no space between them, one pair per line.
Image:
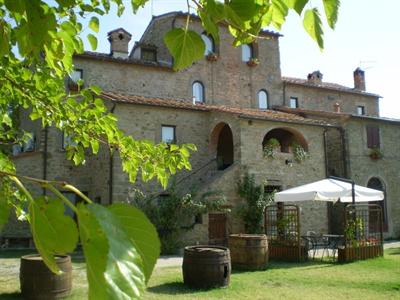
367,35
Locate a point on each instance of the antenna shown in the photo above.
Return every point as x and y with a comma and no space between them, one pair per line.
363,64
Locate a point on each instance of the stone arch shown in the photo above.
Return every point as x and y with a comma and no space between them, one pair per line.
221,143
378,183
286,137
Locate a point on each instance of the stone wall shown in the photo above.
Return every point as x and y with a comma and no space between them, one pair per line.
324,99
387,169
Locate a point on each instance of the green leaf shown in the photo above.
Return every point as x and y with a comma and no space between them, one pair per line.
4,210
185,46
92,40
141,232
313,26
331,11
244,9
4,38
114,266
136,4
94,24
297,5
49,224
276,14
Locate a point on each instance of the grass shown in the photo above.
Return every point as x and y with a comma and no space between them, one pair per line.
372,279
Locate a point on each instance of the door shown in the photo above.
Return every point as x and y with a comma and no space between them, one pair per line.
217,233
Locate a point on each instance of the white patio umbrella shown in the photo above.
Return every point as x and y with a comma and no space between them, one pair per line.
329,190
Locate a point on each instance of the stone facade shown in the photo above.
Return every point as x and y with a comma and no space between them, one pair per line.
335,142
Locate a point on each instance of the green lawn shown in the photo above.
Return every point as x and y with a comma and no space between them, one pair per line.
373,279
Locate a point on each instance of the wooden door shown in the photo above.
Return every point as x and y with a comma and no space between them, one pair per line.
217,233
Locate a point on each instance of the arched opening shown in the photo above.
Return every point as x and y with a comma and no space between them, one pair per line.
222,143
377,184
287,138
209,44
198,91
247,52
262,97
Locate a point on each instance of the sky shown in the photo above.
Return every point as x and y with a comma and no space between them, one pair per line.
367,35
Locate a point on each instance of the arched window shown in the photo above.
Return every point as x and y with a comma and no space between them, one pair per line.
377,184
209,42
198,91
262,98
247,52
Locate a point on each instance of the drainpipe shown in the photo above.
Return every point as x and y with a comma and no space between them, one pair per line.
111,166
344,152
284,94
326,152
45,157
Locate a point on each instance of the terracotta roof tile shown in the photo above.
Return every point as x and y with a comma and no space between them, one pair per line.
327,85
184,104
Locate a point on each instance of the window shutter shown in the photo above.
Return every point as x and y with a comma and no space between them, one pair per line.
373,138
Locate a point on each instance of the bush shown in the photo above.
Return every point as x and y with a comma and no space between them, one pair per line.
173,213
252,212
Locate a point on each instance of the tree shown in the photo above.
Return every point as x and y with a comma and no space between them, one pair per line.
38,39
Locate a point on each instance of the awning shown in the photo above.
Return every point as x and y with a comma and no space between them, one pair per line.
329,190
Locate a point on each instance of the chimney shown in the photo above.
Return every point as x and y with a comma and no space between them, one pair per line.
119,41
315,77
359,79
336,107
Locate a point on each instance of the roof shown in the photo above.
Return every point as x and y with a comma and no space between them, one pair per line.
327,114
194,16
127,60
327,85
271,115
118,30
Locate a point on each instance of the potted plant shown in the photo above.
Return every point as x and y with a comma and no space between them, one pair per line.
249,250
270,147
252,62
212,56
299,153
375,153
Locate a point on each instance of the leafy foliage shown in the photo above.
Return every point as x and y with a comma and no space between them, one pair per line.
37,42
48,224
270,147
175,213
299,153
252,212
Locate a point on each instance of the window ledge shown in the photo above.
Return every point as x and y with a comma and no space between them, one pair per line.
26,154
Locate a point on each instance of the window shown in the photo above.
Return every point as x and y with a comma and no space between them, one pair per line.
209,42
67,141
373,139
198,91
262,98
148,54
247,52
168,134
360,110
294,103
73,80
76,75
28,146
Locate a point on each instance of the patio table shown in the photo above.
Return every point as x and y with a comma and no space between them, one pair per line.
315,242
333,241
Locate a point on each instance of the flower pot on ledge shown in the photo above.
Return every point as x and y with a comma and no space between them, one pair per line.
212,57
253,62
375,154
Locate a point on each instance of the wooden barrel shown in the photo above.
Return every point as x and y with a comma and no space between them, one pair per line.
39,283
206,266
248,251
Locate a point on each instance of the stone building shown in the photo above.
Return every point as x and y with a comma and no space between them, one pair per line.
229,105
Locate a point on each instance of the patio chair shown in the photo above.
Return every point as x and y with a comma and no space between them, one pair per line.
317,241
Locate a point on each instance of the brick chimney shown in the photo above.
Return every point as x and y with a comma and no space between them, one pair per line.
359,79
315,77
119,41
